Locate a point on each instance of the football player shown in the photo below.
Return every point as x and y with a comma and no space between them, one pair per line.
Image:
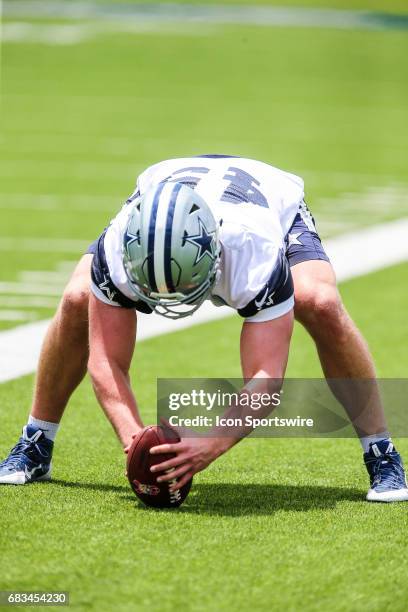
228,229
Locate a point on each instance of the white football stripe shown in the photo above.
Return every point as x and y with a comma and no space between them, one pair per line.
160,237
145,227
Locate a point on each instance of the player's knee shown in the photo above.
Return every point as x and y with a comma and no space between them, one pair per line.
75,300
320,310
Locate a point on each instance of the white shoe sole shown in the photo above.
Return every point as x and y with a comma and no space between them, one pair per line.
20,478
387,496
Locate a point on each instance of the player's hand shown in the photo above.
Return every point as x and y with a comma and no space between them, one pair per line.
192,455
126,449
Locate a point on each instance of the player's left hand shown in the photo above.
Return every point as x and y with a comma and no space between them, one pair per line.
192,455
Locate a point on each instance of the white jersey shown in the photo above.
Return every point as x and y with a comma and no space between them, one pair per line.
255,205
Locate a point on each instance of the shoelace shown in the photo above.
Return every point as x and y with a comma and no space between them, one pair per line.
390,474
17,453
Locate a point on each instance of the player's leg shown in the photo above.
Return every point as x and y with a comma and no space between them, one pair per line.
61,368
342,350
64,353
344,355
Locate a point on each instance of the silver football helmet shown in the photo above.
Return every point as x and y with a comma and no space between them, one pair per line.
171,249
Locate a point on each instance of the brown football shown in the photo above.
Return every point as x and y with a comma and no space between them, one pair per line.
142,480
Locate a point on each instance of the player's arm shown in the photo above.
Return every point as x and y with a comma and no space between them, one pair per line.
265,342
264,355
112,334
265,347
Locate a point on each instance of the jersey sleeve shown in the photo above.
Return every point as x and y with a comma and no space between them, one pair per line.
276,297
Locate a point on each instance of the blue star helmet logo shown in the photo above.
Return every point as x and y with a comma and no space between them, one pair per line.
129,238
203,241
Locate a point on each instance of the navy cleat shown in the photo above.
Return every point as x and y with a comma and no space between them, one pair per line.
29,460
386,470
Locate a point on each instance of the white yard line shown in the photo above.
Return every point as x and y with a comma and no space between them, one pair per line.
17,288
73,34
126,16
18,315
23,301
54,203
43,276
370,249
353,255
20,348
44,245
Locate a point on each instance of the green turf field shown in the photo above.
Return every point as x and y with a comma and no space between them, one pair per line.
274,523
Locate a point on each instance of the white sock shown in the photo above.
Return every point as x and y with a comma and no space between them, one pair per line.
49,429
367,440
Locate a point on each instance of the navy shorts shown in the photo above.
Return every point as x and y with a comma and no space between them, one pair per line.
93,247
302,241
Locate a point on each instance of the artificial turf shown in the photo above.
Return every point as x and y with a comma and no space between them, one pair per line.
275,523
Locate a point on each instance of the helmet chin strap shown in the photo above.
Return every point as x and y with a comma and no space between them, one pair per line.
178,305
175,305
